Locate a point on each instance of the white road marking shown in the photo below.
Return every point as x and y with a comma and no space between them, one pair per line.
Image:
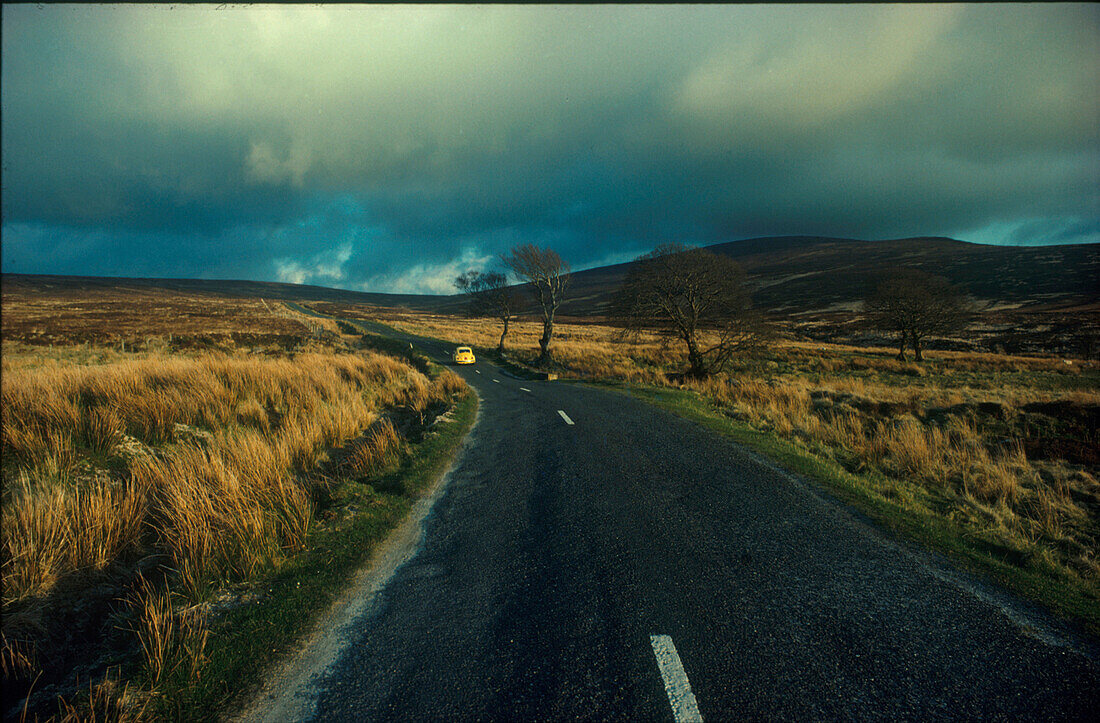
680,697
565,417
478,371
496,381
524,389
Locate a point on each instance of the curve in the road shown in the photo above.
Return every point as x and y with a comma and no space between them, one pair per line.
580,526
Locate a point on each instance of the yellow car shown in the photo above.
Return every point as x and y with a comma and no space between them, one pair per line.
464,355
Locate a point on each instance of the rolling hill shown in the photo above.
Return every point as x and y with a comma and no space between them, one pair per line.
802,274
75,285
788,274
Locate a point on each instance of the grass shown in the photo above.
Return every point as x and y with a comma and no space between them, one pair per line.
122,318
218,495
196,492
157,498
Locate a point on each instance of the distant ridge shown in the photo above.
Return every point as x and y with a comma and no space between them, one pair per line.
788,274
807,273
234,288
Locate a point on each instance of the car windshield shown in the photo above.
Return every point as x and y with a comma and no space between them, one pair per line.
462,349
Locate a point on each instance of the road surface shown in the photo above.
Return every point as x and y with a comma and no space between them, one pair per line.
595,557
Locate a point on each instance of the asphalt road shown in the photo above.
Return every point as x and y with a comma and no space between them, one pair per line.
581,527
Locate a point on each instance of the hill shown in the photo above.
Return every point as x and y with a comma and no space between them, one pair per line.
60,286
804,274
788,274
1035,299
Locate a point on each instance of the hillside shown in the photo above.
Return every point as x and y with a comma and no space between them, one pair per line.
789,274
59,286
802,274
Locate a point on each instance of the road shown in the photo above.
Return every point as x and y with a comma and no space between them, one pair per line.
595,557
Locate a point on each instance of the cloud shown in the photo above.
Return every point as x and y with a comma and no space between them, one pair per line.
428,278
1039,231
264,166
325,267
254,140
850,61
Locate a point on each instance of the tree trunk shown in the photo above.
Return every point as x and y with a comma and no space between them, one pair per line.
544,341
916,349
500,346
901,347
698,369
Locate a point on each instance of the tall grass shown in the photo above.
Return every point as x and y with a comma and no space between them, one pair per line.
379,448
170,636
208,463
50,529
222,495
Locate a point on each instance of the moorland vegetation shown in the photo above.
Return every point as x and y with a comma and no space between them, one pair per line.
150,491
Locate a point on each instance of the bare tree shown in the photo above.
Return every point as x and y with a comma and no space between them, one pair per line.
490,295
548,275
915,305
695,296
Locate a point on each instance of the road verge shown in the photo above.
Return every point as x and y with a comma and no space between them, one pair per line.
289,692
1073,605
284,610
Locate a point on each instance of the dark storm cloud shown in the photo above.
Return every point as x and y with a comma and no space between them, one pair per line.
392,147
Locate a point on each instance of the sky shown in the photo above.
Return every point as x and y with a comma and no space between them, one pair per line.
389,148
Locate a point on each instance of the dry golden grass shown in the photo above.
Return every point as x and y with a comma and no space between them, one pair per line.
18,659
375,451
222,494
169,635
107,701
970,465
207,461
139,424
144,318
446,385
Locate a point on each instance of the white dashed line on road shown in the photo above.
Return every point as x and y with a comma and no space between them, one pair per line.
496,381
680,697
565,417
524,389
478,371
